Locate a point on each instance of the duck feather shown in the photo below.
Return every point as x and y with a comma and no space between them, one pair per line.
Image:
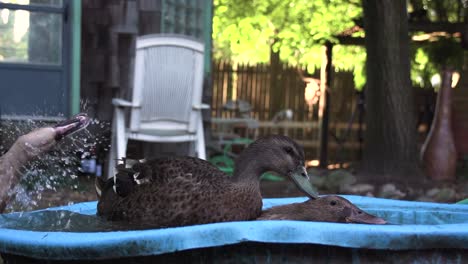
177,191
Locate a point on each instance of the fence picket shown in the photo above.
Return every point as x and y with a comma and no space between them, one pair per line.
256,85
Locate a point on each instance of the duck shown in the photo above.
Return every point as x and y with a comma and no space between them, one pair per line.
180,191
30,146
328,208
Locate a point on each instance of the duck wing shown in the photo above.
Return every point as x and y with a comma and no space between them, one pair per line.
162,171
166,170
184,191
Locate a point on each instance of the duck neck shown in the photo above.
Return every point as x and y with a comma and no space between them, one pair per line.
18,155
249,166
10,165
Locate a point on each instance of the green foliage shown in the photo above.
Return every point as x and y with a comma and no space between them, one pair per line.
421,69
351,58
445,52
430,58
439,10
248,30
9,48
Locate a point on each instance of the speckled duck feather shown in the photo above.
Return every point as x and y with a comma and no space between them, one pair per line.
178,191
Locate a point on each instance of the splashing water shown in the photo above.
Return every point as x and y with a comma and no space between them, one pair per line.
56,170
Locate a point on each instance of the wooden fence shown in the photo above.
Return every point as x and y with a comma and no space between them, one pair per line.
270,90
267,94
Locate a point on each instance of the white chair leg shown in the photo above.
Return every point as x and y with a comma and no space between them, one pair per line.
200,144
121,138
118,142
112,152
111,158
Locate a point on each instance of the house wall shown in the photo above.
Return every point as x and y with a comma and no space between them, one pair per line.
109,31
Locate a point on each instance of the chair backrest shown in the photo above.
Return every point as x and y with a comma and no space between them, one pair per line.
168,82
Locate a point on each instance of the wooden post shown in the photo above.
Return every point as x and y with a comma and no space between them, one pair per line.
326,106
76,57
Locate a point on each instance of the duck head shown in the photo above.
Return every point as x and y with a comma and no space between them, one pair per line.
333,208
72,125
279,154
42,139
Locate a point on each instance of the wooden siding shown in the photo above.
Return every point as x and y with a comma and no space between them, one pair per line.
109,31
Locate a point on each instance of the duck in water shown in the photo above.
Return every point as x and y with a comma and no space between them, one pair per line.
30,146
329,208
181,191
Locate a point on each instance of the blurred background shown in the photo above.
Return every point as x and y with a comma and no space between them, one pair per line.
354,82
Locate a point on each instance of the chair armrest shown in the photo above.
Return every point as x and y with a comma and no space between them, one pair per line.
122,103
201,106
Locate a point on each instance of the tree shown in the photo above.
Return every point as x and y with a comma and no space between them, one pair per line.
390,150
11,48
249,30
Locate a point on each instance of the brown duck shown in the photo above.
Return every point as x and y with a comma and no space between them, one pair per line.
182,191
30,146
330,208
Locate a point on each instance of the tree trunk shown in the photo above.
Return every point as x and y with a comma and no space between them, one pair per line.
391,148
276,89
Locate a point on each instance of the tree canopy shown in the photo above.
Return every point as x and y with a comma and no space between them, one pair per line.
246,30
249,30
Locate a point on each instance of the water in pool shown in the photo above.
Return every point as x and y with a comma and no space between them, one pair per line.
60,221
69,221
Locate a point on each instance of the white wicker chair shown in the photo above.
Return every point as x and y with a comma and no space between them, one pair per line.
167,90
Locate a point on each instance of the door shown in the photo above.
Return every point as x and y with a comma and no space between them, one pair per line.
34,59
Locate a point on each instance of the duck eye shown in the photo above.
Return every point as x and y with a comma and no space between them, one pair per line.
288,150
333,203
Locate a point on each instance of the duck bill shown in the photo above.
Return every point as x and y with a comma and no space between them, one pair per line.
301,179
72,125
361,217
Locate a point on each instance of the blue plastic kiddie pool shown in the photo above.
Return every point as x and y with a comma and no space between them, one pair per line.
75,233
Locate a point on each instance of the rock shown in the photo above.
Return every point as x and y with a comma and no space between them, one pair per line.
315,177
314,171
424,199
317,181
338,180
442,195
360,188
464,188
389,190
432,192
